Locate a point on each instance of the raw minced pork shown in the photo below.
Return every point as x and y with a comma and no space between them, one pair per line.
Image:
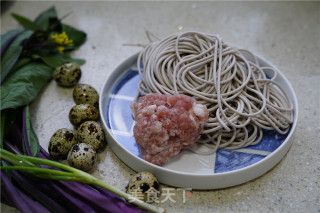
165,124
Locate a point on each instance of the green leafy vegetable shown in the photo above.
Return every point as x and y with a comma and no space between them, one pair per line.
32,138
21,62
27,164
77,36
5,37
43,19
56,60
28,58
10,57
26,23
24,85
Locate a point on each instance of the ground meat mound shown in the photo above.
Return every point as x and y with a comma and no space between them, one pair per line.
165,124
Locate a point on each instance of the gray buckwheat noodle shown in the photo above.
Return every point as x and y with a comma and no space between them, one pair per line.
241,99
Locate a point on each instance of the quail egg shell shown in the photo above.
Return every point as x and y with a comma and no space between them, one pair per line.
67,75
86,94
91,132
82,156
144,182
61,142
83,112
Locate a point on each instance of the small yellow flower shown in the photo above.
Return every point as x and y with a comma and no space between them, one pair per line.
61,39
60,49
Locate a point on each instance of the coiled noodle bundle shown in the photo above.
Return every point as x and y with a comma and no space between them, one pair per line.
241,99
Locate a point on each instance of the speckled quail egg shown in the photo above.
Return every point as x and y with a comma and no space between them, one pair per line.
61,142
91,132
146,182
67,75
82,156
86,94
83,112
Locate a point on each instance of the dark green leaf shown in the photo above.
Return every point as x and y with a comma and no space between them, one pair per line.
26,23
32,137
8,62
35,56
21,62
59,59
12,54
2,127
55,25
8,118
43,19
5,37
24,85
33,140
77,36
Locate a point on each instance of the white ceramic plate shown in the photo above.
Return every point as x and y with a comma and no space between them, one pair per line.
187,170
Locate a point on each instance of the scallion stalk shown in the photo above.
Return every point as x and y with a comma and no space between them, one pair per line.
28,164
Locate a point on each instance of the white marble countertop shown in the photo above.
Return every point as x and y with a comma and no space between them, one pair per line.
285,33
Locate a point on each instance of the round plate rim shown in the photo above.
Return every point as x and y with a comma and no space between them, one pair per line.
191,180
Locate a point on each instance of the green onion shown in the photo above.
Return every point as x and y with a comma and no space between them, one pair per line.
27,164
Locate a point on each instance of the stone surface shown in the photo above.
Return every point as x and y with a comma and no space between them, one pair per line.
285,33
